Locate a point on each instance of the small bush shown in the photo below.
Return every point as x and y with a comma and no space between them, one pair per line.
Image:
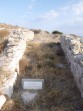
56,32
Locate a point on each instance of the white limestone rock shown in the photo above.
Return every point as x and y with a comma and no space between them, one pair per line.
12,54
16,47
7,86
75,46
73,49
28,96
2,100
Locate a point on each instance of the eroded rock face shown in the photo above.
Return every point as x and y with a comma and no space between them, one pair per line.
73,49
9,62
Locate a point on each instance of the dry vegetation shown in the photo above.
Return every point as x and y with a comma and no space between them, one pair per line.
4,32
44,36
7,26
59,93
3,39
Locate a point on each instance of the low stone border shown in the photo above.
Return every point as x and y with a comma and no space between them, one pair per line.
9,61
73,49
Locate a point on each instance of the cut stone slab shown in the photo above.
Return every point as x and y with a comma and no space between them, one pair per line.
2,100
32,84
28,97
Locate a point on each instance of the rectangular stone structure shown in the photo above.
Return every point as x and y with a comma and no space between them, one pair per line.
32,84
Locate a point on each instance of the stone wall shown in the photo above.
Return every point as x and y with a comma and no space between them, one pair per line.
73,48
9,62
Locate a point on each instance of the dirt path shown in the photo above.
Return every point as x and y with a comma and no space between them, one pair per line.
46,61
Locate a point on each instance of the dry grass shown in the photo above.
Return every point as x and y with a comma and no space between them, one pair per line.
3,34
60,92
3,39
23,64
7,26
3,45
13,105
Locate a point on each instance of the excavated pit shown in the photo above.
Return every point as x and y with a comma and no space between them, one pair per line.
44,59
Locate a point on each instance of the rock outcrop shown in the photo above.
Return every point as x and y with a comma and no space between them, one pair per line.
73,49
9,62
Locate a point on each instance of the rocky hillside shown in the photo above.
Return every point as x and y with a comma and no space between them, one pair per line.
43,58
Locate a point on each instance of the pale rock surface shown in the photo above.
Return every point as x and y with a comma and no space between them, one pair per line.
7,86
73,49
2,28
2,100
28,96
9,62
16,47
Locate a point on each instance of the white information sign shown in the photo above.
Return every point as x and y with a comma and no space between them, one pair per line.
32,83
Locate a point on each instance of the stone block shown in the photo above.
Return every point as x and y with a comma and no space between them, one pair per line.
28,97
2,100
7,87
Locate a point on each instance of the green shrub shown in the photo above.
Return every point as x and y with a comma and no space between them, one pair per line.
56,32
